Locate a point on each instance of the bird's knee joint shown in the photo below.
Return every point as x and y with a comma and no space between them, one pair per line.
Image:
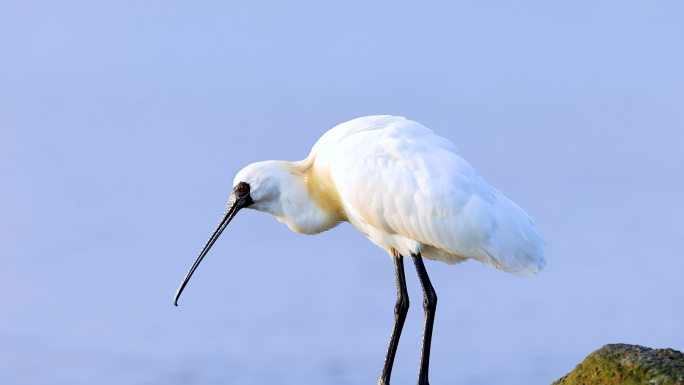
401,307
430,301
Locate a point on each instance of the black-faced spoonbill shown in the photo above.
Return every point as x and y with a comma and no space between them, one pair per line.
406,189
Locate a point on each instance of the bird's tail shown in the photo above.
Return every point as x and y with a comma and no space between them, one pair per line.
515,245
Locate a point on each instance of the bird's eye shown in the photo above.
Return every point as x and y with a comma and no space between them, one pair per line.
242,188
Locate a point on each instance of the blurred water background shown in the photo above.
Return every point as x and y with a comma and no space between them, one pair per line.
123,122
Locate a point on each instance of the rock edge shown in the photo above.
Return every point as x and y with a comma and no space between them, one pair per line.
628,365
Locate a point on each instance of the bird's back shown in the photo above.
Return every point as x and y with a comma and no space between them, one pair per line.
410,190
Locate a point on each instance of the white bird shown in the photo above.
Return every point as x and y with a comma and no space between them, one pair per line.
406,189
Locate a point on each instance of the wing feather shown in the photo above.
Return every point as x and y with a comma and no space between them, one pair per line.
400,180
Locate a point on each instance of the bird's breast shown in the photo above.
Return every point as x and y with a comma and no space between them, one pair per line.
323,192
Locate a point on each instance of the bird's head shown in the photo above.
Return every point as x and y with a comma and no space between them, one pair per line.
257,186
265,182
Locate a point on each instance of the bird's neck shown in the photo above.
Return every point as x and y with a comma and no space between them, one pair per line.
308,202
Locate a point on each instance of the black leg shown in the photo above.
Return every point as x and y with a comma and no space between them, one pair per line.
430,305
400,310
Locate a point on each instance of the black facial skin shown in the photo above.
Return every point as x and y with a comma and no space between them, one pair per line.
239,199
241,192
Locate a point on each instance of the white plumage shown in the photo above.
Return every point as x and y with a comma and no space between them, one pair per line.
408,190
403,187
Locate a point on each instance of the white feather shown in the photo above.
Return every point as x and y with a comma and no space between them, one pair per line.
410,190
405,188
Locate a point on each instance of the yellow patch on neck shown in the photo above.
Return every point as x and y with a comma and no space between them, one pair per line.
322,189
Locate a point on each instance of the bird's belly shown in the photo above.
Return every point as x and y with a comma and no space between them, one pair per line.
388,241
446,256
391,241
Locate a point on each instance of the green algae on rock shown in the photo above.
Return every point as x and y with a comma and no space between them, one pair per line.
628,365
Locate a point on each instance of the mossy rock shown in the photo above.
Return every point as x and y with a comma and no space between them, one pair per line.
628,365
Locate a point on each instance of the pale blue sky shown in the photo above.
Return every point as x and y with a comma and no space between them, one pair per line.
122,124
